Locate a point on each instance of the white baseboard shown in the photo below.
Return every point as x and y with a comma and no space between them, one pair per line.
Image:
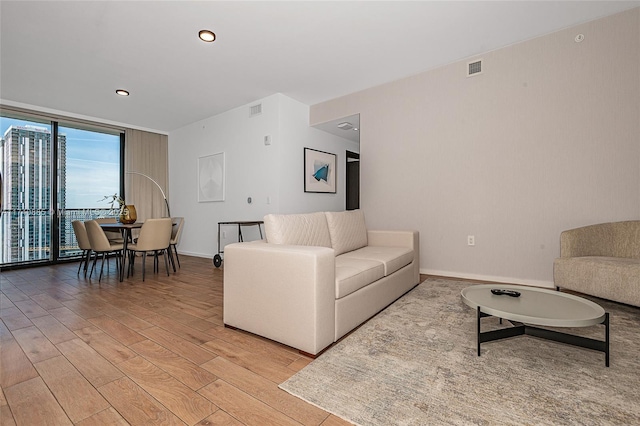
495,279
194,254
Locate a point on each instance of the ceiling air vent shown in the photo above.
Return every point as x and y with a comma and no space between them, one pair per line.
255,110
474,68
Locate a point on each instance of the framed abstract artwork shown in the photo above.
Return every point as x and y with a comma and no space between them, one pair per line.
319,171
211,178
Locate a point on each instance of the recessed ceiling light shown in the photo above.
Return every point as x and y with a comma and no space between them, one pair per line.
206,35
122,92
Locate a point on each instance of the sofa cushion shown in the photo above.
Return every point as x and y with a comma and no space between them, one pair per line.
353,274
393,258
347,230
308,229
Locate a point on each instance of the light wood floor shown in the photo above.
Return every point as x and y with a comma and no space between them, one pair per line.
74,351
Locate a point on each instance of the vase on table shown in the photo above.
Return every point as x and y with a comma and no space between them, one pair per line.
128,214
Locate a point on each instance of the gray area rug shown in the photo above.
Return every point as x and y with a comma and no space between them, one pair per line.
415,363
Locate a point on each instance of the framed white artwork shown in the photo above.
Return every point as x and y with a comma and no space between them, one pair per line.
211,178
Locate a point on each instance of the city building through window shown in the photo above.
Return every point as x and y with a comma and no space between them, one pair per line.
51,175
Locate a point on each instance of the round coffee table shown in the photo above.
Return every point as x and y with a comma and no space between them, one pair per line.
537,306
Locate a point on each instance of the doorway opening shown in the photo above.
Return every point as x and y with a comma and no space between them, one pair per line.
352,181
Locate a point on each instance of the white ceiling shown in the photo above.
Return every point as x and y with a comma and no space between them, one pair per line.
70,56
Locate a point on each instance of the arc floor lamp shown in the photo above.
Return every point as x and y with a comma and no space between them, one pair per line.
159,187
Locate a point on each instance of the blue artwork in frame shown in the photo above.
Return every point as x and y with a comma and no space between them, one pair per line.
319,171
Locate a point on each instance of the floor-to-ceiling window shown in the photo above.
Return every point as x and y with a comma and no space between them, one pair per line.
25,153
89,171
52,174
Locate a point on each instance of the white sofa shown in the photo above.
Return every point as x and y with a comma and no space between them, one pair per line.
316,277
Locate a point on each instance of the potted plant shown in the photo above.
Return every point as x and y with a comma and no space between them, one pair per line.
126,212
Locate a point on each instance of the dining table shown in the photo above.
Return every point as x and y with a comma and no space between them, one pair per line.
126,229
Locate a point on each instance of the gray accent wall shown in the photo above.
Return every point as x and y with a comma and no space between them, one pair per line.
545,139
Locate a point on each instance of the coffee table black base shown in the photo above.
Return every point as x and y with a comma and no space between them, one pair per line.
519,329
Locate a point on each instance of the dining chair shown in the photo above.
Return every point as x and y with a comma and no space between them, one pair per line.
101,245
155,236
83,244
113,236
176,230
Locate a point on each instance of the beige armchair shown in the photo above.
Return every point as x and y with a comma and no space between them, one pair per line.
602,260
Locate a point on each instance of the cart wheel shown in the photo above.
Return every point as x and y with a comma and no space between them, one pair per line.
217,260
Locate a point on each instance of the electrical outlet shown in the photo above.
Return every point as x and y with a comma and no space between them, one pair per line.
471,240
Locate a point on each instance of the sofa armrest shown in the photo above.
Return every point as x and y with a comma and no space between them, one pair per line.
285,293
410,239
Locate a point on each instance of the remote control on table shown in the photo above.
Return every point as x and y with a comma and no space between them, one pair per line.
499,292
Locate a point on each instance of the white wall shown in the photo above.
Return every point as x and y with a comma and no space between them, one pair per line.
547,138
252,170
